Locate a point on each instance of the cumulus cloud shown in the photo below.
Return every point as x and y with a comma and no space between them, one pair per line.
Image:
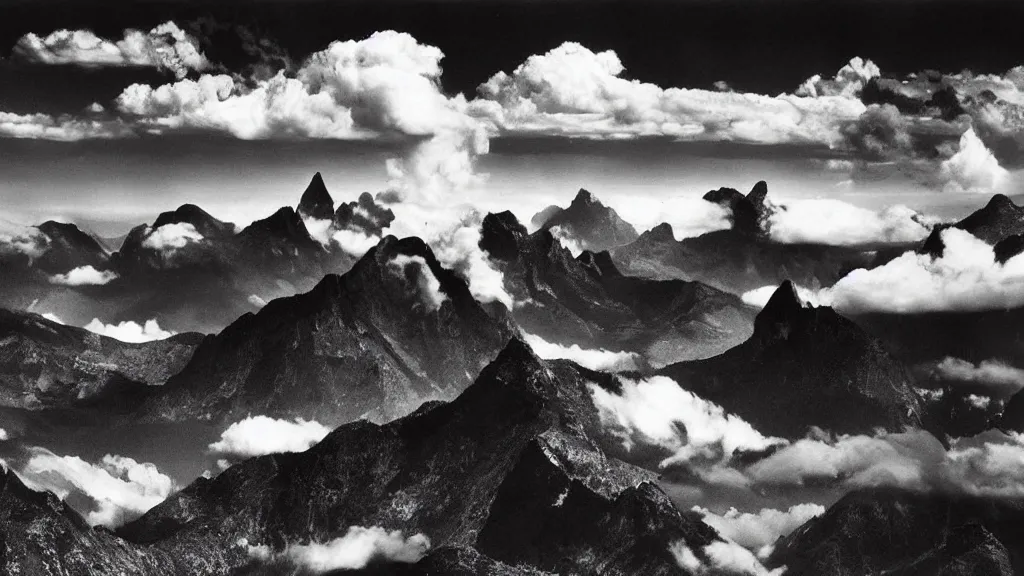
260,435
574,91
52,317
658,412
991,372
453,233
974,168
834,222
21,240
256,301
357,548
966,277
165,47
758,531
4,436
685,557
731,558
603,360
849,80
129,331
386,85
171,236
111,492
355,243
416,271
574,246
365,215
84,276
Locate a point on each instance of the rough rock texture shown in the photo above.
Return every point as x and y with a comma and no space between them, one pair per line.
361,344
806,367
587,301
513,469
44,364
1012,417
902,533
590,222
68,248
42,536
316,202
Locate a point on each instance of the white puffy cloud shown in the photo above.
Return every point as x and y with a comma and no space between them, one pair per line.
320,230
260,435
834,222
989,372
357,548
59,128
973,168
603,360
427,286
129,331
848,81
52,317
117,489
4,435
165,47
658,412
574,246
731,558
966,277
574,91
354,242
84,276
19,239
759,297
685,557
758,531
453,233
171,236
979,401
256,301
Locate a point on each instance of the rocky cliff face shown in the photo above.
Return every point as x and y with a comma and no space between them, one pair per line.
903,533
44,364
512,470
996,221
806,367
395,331
587,301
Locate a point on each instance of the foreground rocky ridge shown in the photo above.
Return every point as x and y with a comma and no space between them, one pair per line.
508,478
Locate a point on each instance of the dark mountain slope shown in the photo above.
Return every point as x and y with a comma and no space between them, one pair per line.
996,221
362,344
806,367
316,201
512,469
904,533
587,301
44,364
596,226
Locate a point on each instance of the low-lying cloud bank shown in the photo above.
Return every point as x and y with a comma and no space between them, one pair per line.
261,435
84,276
966,277
353,551
993,373
426,286
721,557
758,531
602,360
838,223
109,493
683,427
129,331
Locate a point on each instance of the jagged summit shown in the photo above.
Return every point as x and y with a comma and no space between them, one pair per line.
501,235
364,214
200,219
283,224
782,309
594,225
316,202
69,247
750,213
998,220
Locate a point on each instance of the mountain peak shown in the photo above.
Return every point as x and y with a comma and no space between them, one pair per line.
200,219
758,194
1001,202
745,215
316,202
782,309
585,198
501,235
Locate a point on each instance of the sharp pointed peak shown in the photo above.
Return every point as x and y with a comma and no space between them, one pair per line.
782,309
316,201
1001,202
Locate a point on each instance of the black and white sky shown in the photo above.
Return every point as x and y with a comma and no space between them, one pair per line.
113,112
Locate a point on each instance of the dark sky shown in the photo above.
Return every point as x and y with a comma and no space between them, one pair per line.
766,46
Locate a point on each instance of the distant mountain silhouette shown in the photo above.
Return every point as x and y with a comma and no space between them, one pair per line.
316,201
587,301
995,222
596,226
